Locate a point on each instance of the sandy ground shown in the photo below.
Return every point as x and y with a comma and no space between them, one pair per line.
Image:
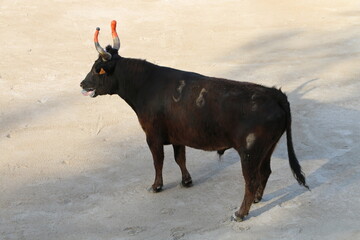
72,167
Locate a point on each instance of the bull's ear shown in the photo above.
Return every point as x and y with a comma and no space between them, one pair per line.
110,67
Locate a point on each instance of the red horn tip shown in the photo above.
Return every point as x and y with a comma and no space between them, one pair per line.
115,36
113,24
96,34
113,29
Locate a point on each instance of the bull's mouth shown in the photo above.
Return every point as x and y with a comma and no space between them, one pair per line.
88,92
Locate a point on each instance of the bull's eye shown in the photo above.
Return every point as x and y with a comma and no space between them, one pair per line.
102,71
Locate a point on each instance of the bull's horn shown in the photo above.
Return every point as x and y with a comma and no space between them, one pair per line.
104,55
115,37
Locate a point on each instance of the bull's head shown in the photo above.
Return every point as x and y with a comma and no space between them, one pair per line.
99,81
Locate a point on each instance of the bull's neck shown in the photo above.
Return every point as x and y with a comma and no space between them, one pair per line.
131,75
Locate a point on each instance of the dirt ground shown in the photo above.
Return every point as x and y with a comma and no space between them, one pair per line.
72,167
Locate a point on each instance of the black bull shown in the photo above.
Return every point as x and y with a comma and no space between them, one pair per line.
187,109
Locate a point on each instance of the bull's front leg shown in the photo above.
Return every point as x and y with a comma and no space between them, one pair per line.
157,150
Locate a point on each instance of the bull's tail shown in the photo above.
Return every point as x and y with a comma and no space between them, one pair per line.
294,163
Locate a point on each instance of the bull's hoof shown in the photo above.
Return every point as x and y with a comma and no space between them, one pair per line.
257,200
235,218
187,183
155,189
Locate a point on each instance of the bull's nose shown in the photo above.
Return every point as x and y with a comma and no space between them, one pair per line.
82,84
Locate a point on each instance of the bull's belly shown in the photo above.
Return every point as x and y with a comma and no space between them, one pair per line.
199,139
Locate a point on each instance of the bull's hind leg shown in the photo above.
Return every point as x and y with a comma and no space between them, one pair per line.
249,162
264,174
180,158
157,151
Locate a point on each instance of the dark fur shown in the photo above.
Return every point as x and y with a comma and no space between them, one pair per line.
188,109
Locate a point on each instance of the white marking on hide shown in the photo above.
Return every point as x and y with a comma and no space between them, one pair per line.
200,101
254,107
250,139
179,90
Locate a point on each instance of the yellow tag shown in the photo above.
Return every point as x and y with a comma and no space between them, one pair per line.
102,71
